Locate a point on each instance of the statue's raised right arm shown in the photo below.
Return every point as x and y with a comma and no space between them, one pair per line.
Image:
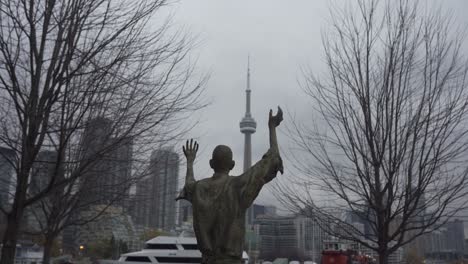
273,122
266,169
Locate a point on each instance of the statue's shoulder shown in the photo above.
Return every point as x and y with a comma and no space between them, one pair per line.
237,180
204,182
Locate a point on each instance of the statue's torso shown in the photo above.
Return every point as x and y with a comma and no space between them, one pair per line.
219,219
219,207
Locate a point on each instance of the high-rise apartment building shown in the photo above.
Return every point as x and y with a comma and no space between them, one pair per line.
105,180
43,170
156,206
107,162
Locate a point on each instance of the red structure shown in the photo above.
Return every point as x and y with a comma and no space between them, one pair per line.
336,254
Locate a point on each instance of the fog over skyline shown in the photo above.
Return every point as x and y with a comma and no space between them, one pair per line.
282,38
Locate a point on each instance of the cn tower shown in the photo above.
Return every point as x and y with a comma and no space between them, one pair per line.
248,126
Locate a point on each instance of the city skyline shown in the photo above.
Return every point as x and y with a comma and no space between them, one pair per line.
372,144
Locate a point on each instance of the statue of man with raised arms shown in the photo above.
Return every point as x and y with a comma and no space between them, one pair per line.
221,201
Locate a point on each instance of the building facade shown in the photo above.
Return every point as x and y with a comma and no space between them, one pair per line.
7,183
43,170
445,243
156,206
7,176
455,237
113,224
294,237
106,163
185,212
259,210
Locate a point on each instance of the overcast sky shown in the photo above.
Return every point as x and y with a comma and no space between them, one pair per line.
281,37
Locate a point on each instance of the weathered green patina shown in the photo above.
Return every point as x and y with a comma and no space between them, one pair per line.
220,202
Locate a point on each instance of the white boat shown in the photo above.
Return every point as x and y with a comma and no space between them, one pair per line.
168,250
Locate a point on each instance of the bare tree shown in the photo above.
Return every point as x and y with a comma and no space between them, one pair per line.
77,203
66,64
85,199
390,142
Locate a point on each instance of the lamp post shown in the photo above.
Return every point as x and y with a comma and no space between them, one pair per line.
81,247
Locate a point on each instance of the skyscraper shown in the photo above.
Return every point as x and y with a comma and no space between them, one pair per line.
43,170
156,193
248,126
106,178
107,161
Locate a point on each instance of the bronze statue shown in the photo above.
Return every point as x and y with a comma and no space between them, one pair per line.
220,202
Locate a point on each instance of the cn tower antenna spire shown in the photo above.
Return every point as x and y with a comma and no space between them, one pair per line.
248,72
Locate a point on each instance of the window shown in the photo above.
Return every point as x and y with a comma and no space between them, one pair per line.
178,260
190,246
161,246
138,259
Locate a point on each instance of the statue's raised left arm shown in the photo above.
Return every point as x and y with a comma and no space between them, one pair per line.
190,151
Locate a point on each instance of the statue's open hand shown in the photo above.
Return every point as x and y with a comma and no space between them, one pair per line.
190,150
274,121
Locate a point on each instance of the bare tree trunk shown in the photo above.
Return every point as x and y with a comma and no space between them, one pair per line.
14,217
48,243
10,237
383,258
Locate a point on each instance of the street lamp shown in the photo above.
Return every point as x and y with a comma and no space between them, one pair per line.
81,247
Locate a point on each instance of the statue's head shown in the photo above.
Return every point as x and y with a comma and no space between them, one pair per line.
221,160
